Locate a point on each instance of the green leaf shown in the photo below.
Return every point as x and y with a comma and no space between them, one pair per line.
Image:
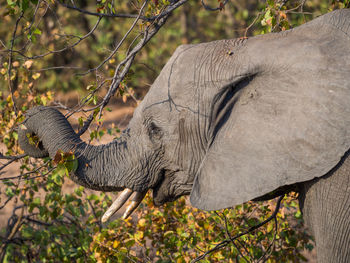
78,191
9,192
27,232
71,163
36,31
92,197
36,201
298,214
15,135
61,170
24,5
81,122
11,3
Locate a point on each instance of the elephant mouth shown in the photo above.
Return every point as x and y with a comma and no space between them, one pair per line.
171,186
135,198
160,196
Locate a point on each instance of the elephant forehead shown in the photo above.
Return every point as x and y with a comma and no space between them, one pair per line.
192,75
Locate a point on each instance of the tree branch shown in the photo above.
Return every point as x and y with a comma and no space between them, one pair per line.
10,63
251,229
100,15
220,7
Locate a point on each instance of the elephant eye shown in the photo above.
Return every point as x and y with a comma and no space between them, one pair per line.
154,130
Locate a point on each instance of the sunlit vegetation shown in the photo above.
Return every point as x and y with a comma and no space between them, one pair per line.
46,49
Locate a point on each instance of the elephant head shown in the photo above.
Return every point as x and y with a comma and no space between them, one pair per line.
226,121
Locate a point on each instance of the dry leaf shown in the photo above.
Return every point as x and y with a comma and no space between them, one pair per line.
15,64
28,64
58,157
36,75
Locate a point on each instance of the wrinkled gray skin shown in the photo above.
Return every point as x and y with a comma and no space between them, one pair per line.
234,120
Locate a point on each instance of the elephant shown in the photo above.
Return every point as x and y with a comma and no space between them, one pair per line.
230,121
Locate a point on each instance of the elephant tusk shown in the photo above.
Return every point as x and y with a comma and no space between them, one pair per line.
135,202
117,204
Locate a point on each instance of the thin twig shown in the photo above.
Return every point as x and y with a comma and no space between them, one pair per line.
5,203
98,221
31,172
271,246
10,62
14,158
80,39
208,8
11,159
228,236
100,15
127,62
55,68
121,41
169,10
251,229
253,23
11,235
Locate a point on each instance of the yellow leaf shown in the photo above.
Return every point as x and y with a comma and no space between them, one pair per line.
49,95
43,99
168,233
13,75
36,75
116,243
139,235
124,98
142,222
15,64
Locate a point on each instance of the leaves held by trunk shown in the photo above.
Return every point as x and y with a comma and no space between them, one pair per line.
66,162
33,139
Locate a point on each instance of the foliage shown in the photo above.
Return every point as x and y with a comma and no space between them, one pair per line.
47,49
179,233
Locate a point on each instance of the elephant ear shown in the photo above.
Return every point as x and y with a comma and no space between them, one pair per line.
276,135
282,127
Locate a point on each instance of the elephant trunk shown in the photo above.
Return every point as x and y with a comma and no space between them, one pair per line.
97,165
